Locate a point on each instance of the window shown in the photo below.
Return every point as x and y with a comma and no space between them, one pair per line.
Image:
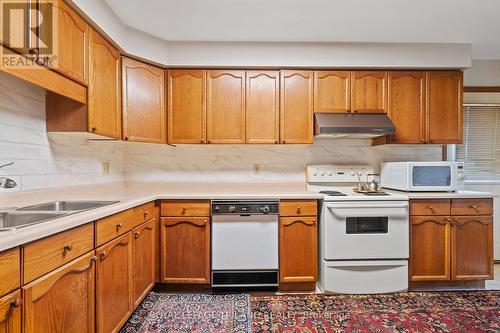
480,150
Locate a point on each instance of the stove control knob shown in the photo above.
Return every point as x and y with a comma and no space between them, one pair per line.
266,209
231,209
322,173
353,173
216,208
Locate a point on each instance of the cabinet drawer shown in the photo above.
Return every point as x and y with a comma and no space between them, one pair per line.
185,208
430,207
10,270
46,254
113,226
143,213
298,208
472,207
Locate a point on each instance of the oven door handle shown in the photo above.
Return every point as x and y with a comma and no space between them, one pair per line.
394,205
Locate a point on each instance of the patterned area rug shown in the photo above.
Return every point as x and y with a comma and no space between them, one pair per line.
405,312
191,313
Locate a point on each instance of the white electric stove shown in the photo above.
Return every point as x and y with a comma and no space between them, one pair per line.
364,239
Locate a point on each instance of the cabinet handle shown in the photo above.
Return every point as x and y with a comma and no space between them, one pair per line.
284,141
136,235
118,226
16,303
448,220
146,213
68,247
430,208
275,141
208,141
298,209
202,141
93,258
126,138
93,129
102,255
474,207
184,210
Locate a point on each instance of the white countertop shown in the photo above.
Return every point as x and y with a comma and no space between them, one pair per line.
131,194
460,194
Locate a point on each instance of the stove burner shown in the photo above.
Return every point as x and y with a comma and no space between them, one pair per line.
333,193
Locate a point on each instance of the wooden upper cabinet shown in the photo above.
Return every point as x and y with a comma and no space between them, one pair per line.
406,106
262,106
72,44
10,313
143,94
187,106
298,249
472,248
369,92
296,106
114,284
444,106
226,106
63,300
429,248
332,91
104,101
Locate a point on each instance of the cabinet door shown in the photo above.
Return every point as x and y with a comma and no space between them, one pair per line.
472,248
185,250
104,101
296,108
187,116
72,44
332,91
143,92
63,300
10,270
369,92
298,249
143,260
430,248
262,106
10,313
406,107
226,106
114,284
444,107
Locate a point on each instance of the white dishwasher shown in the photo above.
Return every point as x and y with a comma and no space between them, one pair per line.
245,244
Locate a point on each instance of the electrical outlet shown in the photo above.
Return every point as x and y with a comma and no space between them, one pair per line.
256,169
105,168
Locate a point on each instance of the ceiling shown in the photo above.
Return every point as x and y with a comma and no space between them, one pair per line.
399,21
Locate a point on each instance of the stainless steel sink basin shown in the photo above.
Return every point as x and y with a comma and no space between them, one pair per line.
14,220
65,206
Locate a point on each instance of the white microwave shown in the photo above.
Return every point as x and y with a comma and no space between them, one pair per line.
420,176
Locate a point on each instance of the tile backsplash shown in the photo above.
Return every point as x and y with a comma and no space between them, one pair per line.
50,160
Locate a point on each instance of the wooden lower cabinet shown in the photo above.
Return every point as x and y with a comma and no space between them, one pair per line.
446,247
10,313
298,249
63,300
430,248
143,260
114,284
472,248
185,250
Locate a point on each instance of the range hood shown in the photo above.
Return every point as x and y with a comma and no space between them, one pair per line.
352,125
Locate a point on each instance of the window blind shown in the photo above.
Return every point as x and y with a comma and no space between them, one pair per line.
480,150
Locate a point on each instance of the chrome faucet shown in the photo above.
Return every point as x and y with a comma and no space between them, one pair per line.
7,182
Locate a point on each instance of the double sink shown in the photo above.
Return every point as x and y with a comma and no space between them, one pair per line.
30,215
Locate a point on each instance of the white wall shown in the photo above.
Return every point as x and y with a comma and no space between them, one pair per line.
486,73
365,55
43,160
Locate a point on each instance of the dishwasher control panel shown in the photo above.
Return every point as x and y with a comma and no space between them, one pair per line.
244,207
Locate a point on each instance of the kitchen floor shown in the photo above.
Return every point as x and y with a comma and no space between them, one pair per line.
494,284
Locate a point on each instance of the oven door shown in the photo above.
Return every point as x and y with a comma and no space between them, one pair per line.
366,230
